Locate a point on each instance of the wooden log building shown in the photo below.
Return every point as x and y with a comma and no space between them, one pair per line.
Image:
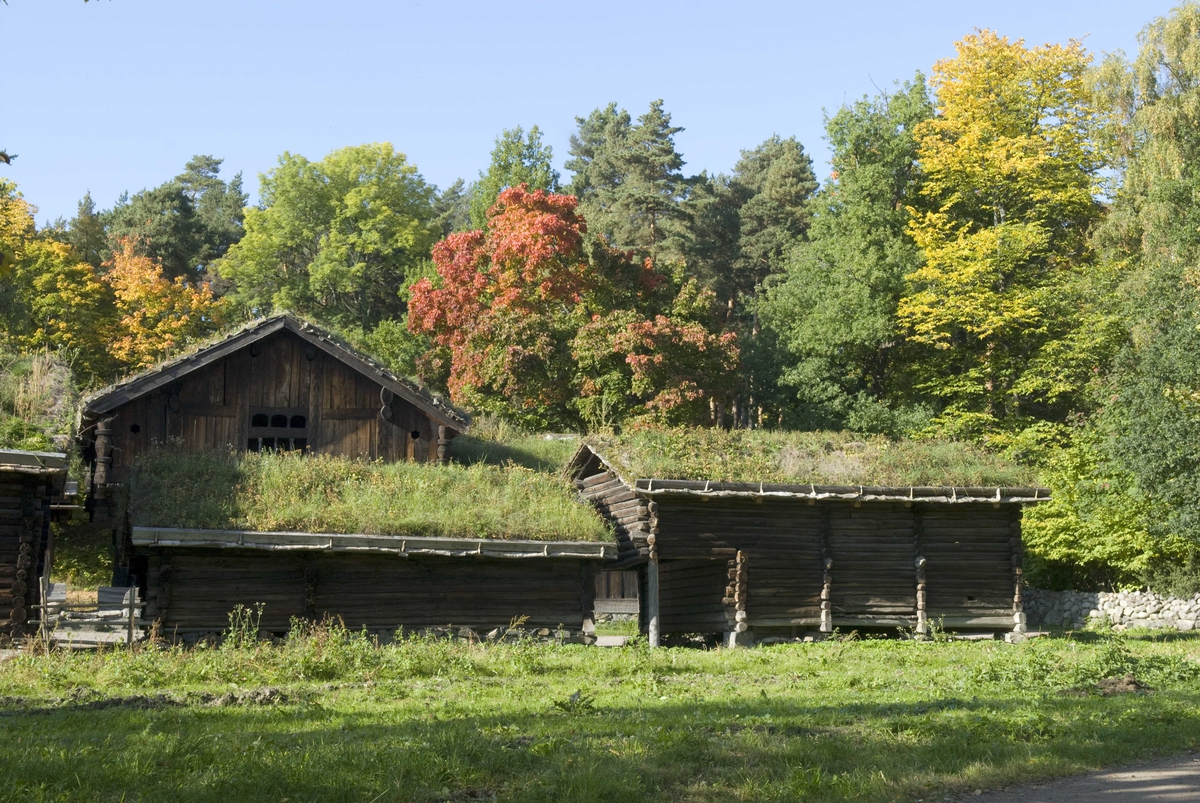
30,482
283,384
380,582
278,383
754,560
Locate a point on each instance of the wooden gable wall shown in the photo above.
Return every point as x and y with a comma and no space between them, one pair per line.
282,375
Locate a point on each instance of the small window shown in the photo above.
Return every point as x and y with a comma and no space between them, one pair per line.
278,420
259,420
298,422
135,429
416,435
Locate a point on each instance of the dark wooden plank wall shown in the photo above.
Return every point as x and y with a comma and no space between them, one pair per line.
781,539
874,573
969,553
24,549
690,596
193,590
874,548
617,585
211,408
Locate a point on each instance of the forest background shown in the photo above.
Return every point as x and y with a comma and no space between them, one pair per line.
1005,253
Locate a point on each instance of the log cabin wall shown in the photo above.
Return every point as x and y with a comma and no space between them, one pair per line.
279,392
193,590
786,558
26,548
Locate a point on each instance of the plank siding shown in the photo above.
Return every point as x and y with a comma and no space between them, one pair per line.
376,592
211,407
970,573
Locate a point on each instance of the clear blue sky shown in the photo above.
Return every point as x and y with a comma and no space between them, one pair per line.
117,94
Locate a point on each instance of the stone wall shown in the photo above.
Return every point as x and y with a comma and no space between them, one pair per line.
1122,609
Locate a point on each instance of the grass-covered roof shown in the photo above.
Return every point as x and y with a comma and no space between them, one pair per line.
822,458
322,494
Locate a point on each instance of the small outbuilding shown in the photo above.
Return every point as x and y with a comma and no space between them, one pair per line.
754,559
280,384
30,482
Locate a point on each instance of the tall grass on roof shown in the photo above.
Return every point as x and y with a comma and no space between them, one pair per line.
823,458
319,493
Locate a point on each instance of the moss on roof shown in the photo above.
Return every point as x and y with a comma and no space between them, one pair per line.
823,458
323,494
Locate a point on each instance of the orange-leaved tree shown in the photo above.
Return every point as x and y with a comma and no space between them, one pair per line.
155,315
533,321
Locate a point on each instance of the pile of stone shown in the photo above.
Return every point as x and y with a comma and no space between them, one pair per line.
1118,609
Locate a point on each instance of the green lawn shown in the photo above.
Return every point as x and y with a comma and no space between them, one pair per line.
425,720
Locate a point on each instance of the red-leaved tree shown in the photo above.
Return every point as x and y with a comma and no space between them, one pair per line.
533,322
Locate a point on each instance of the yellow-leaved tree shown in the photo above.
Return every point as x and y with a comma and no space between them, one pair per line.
155,315
1004,298
49,297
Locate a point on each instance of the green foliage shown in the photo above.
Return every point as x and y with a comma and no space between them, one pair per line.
1153,412
37,397
629,180
834,309
83,554
185,223
336,239
518,158
329,714
319,493
832,458
1095,532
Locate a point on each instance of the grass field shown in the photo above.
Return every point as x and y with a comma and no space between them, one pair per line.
328,716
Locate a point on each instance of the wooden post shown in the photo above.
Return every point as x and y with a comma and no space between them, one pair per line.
918,531
103,459
588,600
132,598
443,444
1018,553
827,571
652,626
652,612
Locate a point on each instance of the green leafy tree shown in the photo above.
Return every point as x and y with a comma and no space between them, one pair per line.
518,158
338,239
85,232
1153,413
833,309
452,208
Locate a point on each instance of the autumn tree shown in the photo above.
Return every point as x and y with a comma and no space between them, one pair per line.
51,299
537,322
155,315
1009,168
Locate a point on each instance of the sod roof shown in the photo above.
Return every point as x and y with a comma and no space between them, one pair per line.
803,458
323,494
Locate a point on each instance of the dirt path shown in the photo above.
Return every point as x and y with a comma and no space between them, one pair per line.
1173,781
